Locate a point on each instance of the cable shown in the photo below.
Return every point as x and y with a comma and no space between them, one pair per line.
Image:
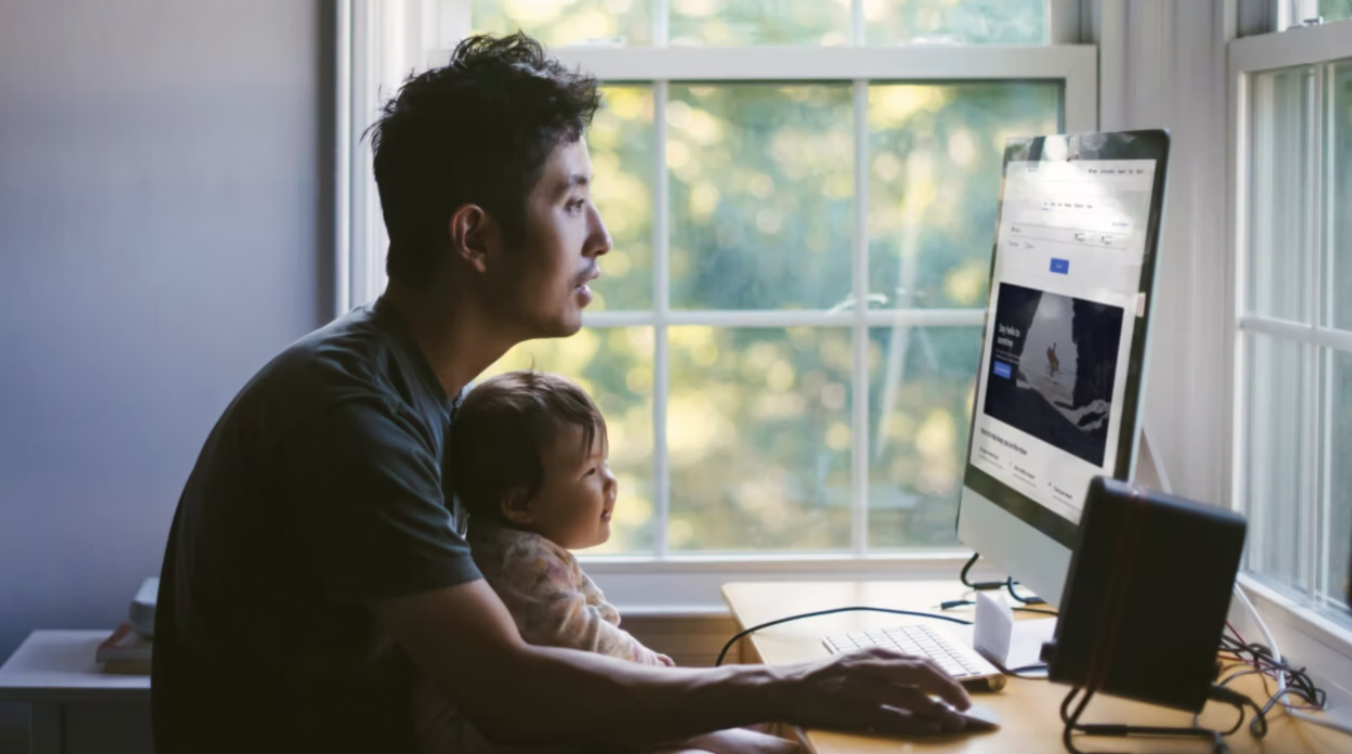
1039,611
1281,668
1226,680
1018,672
1009,584
980,586
951,604
1218,692
985,586
747,632
1262,626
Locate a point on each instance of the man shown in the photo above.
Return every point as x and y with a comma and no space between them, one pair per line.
313,563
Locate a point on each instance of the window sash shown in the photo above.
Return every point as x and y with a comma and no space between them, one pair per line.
380,43
451,19
1075,66
1318,342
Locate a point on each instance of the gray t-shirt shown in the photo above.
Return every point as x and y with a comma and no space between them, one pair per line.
320,490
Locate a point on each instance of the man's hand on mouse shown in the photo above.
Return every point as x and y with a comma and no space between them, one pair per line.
877,690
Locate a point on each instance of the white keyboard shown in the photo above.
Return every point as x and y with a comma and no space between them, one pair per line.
935,642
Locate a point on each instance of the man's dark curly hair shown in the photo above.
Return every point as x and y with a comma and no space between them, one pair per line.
477,131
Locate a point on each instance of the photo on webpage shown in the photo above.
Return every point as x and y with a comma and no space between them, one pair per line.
1053,368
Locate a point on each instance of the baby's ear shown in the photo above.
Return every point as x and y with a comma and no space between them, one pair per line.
516,506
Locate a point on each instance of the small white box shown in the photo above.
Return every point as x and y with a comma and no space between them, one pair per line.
141,613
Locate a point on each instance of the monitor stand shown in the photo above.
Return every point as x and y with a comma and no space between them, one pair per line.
1150,472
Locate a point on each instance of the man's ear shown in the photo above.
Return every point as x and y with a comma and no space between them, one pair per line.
516,507
474,235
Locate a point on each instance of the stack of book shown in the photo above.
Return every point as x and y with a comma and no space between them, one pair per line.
128,649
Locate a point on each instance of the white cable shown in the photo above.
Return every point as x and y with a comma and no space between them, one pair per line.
1272,642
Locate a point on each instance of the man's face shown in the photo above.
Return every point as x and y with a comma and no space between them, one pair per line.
541,287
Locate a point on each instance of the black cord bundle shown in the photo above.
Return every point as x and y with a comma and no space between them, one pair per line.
1262,661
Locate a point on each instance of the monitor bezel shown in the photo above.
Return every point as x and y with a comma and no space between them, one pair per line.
1121,145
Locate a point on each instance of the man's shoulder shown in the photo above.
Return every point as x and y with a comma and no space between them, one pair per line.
357,358
352,353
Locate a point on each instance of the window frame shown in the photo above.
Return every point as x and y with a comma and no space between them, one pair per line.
378,41
1073,66
1247,58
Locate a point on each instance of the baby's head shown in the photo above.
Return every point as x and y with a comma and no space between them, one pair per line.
528,451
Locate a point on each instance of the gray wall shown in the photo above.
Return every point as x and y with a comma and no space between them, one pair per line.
165,228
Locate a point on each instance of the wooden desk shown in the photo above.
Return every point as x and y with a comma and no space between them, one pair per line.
75,706
1029,710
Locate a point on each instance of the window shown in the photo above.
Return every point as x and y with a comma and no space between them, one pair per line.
1297,12
802,197
1294,327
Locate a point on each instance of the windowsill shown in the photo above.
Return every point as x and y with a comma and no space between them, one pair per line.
778,562
1317,625
692,584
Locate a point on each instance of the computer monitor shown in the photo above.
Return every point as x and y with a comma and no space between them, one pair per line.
1062,369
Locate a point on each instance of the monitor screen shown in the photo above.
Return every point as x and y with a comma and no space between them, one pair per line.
1057,389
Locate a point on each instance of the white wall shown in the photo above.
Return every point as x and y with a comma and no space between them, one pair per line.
1162,65
165,228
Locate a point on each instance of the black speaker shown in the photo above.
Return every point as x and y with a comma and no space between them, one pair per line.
1146,596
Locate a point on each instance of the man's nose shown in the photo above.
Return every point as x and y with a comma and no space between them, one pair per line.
598,240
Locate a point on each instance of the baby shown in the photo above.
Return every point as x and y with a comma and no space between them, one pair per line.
528,459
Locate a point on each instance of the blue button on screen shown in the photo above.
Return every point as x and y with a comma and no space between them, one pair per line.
1003,370
1061,266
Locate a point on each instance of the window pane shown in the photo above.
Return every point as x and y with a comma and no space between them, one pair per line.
762,195
1004,22
614,366
1340,193
621,143
921,382
1333,10
758,431
1281,199
1280,484
759,22
935,155
1340,479
567,22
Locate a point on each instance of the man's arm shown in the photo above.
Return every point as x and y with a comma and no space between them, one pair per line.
465,640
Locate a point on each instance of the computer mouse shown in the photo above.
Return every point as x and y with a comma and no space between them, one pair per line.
978,717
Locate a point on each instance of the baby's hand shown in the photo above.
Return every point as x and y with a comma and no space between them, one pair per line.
743,741
667,662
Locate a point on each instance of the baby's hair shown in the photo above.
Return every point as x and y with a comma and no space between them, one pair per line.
500,433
